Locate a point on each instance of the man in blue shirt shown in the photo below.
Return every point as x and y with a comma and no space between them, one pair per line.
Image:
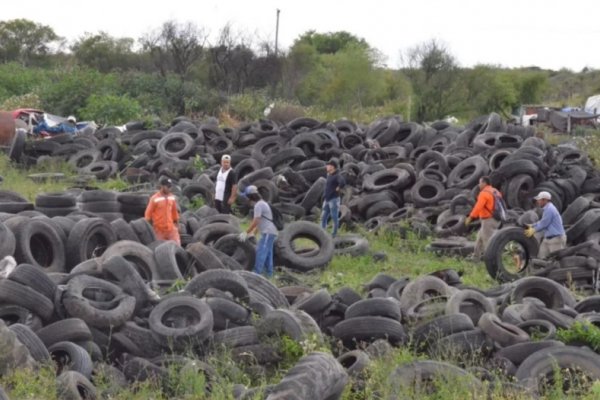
551,225
331,197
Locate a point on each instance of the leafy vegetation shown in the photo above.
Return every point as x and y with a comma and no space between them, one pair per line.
174,69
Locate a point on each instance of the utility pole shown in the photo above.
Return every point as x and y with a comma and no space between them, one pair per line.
277,32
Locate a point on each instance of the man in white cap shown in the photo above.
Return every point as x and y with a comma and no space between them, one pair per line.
551,225
226,186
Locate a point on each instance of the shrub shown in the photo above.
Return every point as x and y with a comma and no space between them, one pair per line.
110,109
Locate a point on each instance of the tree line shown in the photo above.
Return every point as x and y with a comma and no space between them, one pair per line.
176,70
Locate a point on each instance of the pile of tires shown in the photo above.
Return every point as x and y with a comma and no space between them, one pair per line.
392,167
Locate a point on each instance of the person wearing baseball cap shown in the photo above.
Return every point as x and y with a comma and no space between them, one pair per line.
162,212
551,225
331,196
226,186
263,222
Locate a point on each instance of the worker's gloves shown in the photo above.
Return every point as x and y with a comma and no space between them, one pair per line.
468,221
242,237
529,231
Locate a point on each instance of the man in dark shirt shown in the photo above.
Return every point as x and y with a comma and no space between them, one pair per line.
331,197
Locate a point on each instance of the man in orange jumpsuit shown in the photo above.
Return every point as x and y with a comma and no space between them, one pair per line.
162,212
484,210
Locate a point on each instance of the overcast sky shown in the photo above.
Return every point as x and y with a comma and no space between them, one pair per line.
547,33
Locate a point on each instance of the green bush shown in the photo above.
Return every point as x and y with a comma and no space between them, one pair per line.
248,106
110,109
70,88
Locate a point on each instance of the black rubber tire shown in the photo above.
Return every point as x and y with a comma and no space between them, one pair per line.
36,347
71,357
347,296
182,149
72,385
376,307
173,262
209,234
427,192
8,243
351,245
420,289
314,303
38,245
419,377
143,230
544,362
280,322
313,195
548,291
227,281
89,238
440,327
108,313
307,230
17,294
119,270
70,330
493,254
316,376
141,257
235,337
55,200
123,230
355,362
35,278
457,301
367,329
243,252
193,328
466,174
227,313
517,353
206,258
500,332
11,314
268,290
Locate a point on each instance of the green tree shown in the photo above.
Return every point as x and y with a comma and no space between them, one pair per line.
68,89
175,48
489,89
351,79
331,42
111,109
104,52
23,40
435,79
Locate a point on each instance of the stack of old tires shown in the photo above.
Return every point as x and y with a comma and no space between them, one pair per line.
56,204
102,203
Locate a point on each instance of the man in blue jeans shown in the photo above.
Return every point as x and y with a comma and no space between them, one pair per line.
263,221
331,197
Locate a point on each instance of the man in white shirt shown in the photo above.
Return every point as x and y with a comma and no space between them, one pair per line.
226,186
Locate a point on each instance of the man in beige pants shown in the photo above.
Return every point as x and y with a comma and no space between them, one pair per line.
483,210
551,225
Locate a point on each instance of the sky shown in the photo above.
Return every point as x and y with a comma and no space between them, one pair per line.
512,33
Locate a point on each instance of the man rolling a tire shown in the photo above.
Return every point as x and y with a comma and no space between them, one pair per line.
551,225
263,222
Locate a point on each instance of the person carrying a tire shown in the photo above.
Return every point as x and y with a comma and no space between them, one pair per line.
226,186
331,196
263,222
484,211
162,212
551,225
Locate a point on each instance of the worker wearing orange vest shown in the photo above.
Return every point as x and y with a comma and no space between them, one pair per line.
162,212
484,211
